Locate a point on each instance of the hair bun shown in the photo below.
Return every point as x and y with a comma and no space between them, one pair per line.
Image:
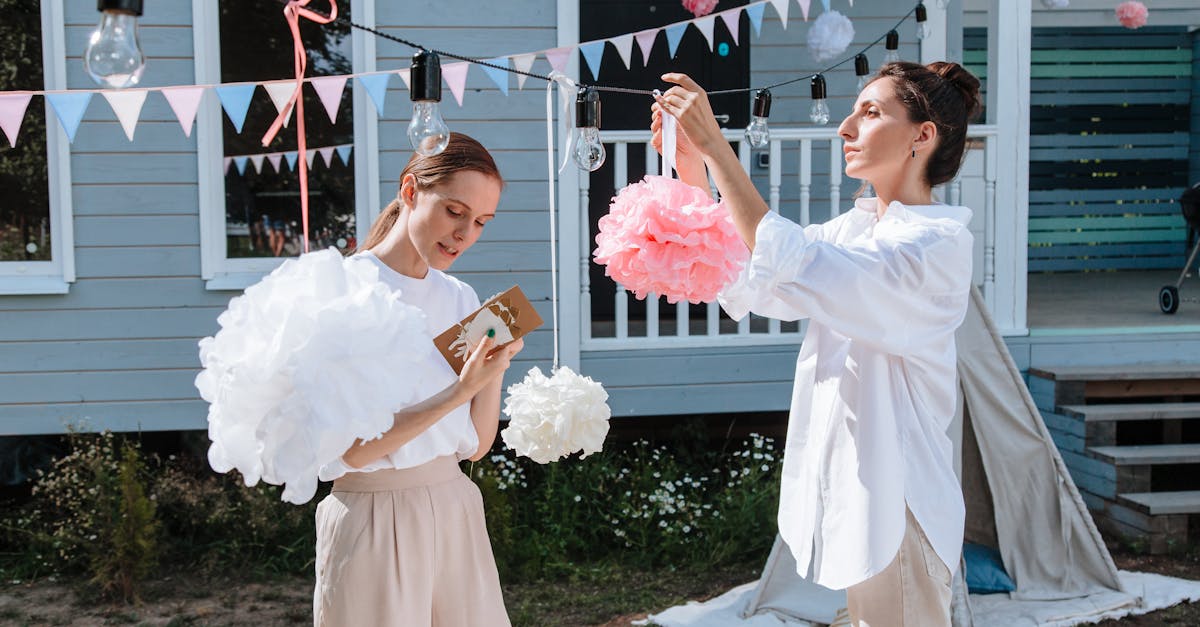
962,80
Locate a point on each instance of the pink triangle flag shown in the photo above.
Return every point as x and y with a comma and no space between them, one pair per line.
705,24
732,18
12,111
781,7
455,75
558,57
228,162
184,102
329,89
274,158
645,41
280,93
257,160
624,46
127,104
805,4
326,155
523,63
406,76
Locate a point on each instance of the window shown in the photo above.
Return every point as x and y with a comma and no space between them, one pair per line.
250,194
36,254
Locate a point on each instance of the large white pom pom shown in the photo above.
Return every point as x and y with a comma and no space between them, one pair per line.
550,418
830,35
317,354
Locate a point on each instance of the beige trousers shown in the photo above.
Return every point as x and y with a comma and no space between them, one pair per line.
406,548
913,591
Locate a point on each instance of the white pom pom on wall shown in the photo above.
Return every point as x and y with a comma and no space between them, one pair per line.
830,35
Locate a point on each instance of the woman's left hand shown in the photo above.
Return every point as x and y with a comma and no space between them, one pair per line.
688,102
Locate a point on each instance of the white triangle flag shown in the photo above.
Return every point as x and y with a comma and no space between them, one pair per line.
781,7
523,63
624,46
184,101
274,158
257,160
732,19
705,24
280,93
329,89
406,76
308,156
326,155
127,104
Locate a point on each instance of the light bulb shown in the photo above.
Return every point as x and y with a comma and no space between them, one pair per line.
114,56
862,69
891,47
589,151
757,133
923,29
427,131
819,112
941,4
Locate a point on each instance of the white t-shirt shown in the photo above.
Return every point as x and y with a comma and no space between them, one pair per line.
445,301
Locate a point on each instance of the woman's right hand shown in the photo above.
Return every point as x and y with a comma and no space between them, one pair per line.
688,102
482,368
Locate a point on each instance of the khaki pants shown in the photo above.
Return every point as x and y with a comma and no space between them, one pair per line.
913,591
406,548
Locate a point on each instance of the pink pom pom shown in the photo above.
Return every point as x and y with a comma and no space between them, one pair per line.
666,237
1132,14
700,7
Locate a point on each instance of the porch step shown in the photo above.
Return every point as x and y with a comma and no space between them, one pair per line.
1058,386
1135,411
1138,372
1146,455
1159,503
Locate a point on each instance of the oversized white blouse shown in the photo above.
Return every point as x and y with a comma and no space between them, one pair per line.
445,301
875,386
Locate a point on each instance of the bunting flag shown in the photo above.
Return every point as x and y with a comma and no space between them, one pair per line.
376,86
804,6
705,25
281,94
405,76
329,89
274,159
12,111
69,108
184,101
327,155
257,161
127,104
235,99
455,75
523,63
755,13
825,3
732,19
228,162
240,163
781,7
624,46
674,35
344,152
558,57
309,155
645,41
291,157
499,77
593,53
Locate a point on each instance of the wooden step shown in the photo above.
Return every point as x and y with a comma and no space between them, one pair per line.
1146,455
1160,503
1127,372
1078,385
1134,411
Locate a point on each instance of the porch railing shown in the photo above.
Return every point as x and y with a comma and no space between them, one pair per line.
707,325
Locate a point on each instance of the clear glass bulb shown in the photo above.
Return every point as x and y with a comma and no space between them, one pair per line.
757,134
114,56
589,150
891,56
941,4
427,131
923,30
863,80
819,113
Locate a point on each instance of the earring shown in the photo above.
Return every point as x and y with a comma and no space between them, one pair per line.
914,153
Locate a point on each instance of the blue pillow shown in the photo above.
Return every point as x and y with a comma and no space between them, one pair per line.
985,570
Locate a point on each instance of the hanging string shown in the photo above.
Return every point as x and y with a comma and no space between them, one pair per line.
565,85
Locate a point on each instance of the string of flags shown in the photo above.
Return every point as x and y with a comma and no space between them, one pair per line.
70,105
286,159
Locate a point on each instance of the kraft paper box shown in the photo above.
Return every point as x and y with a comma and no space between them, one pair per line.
509,313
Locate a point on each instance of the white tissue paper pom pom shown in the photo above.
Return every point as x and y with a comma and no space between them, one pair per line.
830,35
1056,4
550,418
316,355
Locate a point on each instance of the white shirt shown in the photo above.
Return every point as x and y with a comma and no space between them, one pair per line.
876,381
445,301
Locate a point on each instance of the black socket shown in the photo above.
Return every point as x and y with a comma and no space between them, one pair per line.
921,14
124,6
893,40
426,77
818,87
862,67
587,108
762,103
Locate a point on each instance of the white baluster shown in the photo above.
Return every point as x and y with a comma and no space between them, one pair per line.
776,175
651,159
714,320
682,320
652,315
835,176
989,222
805,182
585,249
620,178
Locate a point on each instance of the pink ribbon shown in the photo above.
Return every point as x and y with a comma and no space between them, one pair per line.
295,10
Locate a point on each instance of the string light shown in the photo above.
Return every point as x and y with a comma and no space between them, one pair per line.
427,131
114,56
757,133
892,47
589,150
819,113
862,69
923,28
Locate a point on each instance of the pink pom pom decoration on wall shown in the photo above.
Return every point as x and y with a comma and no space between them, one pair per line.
1132,14
663,236
700,8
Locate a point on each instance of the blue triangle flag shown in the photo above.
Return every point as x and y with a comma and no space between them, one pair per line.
69,108
344,153
755,13
674,34
235,99
376,86
240,162
825,3
593,53
291,157
499,77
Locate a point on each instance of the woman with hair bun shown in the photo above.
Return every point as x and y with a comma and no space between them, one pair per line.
869,501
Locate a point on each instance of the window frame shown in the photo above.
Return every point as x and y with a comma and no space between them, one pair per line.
218,270
54,276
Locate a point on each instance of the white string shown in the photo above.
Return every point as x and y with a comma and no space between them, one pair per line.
669,128
563,82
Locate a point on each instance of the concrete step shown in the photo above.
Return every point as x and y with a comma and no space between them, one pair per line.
1133,411
1145,455
1160,503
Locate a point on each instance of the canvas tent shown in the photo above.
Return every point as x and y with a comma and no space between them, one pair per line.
1020,500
